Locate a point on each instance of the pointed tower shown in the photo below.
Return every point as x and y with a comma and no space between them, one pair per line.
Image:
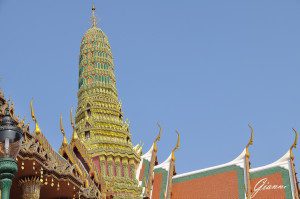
99,119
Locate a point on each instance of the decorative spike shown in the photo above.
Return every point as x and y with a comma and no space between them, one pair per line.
65,141
72,119
74,135
136,147
93,18
294,145
37,128
140,148
251,137
22,122
159,134
178,142
176,146
250,141
61,125
157,138
12,107
32,111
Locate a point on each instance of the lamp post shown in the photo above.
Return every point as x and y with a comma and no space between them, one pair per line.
10,143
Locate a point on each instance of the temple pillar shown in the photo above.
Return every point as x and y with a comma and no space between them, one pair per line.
102,165
118,167
110,166
31,188
132,168
125,167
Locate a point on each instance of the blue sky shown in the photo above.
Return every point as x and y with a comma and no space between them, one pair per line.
206,68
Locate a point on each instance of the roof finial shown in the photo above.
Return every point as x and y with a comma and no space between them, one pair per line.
37,128
62,129
72,119
177,145
294,145
93,18
74,136
158,137
250,142
159,134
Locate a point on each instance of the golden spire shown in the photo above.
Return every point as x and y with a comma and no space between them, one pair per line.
74,135
93,18
158,137
176,146
250,141
65,141
294,145
37,128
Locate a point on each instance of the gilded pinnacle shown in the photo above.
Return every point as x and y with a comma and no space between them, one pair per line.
93,18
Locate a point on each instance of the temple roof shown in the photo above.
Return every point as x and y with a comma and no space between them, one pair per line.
37,161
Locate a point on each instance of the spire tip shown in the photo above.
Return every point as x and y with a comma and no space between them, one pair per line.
93,18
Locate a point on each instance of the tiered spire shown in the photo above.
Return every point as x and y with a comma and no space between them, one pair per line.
99,120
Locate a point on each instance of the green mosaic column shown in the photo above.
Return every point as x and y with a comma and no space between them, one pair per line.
8,168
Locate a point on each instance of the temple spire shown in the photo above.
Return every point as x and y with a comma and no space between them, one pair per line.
93,18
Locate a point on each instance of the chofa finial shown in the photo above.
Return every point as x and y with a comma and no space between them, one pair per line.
74,135
159,134
157,137
176,146
32,111
251,137
37,128
61,126
250,142
294,145
65,141
72,119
